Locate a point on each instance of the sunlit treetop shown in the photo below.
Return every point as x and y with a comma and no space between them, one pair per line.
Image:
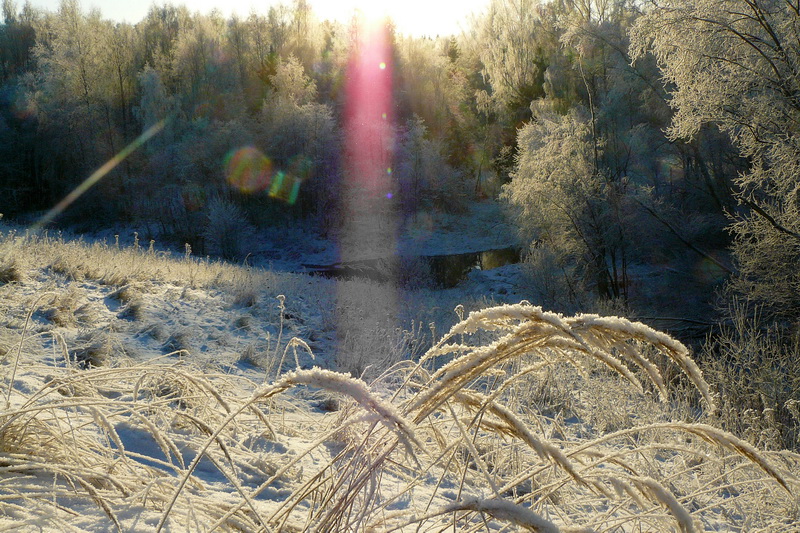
411,17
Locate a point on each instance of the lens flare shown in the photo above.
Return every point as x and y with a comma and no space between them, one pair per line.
285,187
21,106
99,174
193,197
248,170
709,272
369,228
368,111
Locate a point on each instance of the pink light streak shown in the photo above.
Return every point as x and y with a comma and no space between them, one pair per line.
368,111
369,229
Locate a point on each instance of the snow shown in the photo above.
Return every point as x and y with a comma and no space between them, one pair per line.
200,329
203,405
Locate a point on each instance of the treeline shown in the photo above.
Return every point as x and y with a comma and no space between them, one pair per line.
613,156
77,88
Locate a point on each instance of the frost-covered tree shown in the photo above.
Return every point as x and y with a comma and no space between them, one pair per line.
17,39
735,64
72,86
121,54
514,43
70,56
585,153
421,173
428,83
565,203
290,83
299,135
209,81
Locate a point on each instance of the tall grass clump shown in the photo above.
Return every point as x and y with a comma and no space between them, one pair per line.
755,366
369,351
137,266
446,442
10,269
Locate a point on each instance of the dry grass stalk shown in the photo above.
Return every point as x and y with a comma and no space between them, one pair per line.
656,492
510,425
615,332
542,335
503,510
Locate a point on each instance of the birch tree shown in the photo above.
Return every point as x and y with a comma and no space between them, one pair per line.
72,75
514,48
17,39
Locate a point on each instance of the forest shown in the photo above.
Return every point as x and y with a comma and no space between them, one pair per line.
640,155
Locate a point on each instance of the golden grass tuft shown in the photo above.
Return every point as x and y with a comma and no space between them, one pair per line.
10,270
531,333
449,445
438,429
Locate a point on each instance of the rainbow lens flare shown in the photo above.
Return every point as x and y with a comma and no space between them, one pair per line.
249,171
284,187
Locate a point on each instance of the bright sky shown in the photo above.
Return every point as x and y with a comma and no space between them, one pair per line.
412,17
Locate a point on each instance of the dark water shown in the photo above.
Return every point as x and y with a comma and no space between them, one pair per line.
443,271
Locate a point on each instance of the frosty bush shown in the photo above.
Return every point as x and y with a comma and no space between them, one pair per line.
564,198
755,367
228,231
10,270
424,177
733,64
554,278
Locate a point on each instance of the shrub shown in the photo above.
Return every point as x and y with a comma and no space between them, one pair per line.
10,270
179,341
228,232
62,308
368,352
754,365
95,349
554,278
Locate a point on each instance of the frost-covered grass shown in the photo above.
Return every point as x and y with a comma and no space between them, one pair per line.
514,419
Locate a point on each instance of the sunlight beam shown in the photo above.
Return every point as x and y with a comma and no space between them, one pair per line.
368,111
99,174
368,198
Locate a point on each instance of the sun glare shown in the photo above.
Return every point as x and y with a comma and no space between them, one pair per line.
410,17
370,226
373,11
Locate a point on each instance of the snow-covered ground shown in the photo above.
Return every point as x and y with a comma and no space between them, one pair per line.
142,390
